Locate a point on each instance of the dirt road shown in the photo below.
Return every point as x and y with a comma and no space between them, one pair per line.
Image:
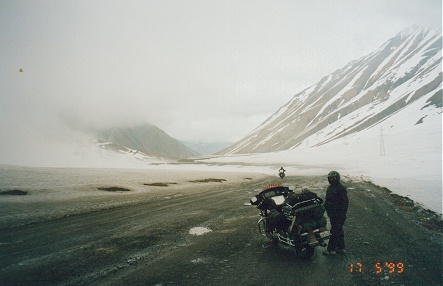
148,243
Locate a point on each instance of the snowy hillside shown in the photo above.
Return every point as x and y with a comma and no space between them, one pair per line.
111,155
379,117
399,154
362,94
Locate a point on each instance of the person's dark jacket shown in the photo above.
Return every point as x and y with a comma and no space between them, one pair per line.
336,203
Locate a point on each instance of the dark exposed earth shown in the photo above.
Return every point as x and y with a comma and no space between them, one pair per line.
390,241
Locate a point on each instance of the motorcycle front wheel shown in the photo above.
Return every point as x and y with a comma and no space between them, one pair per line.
262,227
304,252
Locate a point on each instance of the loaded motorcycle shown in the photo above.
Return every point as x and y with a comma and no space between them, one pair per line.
298,221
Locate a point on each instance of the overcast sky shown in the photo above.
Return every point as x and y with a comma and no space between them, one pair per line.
200,70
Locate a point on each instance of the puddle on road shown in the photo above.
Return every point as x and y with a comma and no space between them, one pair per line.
199,230
199,260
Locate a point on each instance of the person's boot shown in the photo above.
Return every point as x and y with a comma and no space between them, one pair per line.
341,251
329,252
312,240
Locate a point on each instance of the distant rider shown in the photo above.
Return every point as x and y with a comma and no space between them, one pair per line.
336,206
281,172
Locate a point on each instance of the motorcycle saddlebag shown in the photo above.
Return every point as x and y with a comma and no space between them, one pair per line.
314,224
312,214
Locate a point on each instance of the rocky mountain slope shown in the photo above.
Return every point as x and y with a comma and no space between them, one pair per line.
146,138
358,96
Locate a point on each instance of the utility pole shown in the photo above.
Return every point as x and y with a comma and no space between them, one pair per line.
382,143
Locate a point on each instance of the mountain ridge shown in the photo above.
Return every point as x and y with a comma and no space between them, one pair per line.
361,94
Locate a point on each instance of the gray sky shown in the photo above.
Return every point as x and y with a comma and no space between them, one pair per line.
200,70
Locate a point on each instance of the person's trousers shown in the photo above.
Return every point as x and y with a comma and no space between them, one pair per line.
337,239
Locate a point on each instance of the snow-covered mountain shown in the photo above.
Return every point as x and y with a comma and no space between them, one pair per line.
361,95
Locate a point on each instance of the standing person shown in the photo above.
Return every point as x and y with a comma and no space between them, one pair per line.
336,206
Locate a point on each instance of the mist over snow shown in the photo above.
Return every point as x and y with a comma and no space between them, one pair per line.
207,148
200,71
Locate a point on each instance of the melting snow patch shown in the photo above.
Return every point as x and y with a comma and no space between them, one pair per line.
199,230
199,260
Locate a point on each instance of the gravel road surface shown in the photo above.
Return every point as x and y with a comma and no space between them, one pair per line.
149,241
